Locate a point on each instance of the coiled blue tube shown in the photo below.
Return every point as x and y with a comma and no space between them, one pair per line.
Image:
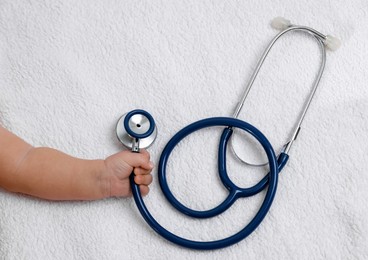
234,191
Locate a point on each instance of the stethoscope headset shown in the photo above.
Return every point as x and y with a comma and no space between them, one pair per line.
137,129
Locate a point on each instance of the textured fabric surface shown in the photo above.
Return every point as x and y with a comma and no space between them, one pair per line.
70,69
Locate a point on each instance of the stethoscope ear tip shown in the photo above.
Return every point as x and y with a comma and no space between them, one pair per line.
332,43
280,23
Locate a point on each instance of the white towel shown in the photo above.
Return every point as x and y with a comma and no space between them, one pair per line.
70,69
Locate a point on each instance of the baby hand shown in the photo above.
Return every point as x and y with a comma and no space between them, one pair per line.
119,167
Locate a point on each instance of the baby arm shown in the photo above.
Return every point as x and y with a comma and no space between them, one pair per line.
50,174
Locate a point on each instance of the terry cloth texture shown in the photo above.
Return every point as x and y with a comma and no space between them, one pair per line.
70,68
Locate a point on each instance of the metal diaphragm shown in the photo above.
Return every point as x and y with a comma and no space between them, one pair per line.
138,124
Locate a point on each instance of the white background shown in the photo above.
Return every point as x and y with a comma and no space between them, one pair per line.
70,69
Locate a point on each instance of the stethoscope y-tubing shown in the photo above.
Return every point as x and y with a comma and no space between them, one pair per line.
252,225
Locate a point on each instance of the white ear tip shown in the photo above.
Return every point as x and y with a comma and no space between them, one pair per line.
280,23
332,43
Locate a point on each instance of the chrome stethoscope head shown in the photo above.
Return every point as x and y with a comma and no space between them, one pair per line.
324,41
136,129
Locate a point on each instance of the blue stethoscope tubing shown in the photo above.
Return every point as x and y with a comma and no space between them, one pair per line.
275,165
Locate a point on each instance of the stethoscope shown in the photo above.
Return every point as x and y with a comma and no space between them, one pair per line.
137,129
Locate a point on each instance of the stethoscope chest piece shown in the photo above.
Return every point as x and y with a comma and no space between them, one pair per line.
136,126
